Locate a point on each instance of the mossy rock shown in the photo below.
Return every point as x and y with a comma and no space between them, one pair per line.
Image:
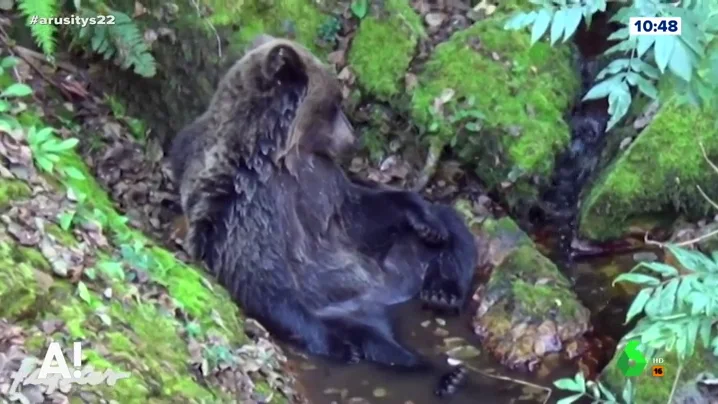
146,328
527,308
650,389
522,90
384,46
657,174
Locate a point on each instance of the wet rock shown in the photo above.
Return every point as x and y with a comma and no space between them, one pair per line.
526,310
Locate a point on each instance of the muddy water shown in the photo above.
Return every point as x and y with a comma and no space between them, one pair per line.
326,382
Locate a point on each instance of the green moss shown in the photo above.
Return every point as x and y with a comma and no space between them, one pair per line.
32,257
383,48
523,269
11,190
523,96
64,237
278,19
658,172
18,286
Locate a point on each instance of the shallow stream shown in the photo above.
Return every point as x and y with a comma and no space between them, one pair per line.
331,383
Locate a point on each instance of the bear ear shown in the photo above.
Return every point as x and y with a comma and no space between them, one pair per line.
282,64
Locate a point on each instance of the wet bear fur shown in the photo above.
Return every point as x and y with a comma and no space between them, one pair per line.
316,258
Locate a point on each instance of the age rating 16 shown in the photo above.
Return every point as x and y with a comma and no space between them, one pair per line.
654,26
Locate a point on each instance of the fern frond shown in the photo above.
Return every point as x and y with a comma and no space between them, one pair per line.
122,42
44,35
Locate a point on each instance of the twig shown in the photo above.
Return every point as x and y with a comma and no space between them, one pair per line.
548,390
682,243
675,383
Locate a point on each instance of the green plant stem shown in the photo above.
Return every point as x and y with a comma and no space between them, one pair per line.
675,383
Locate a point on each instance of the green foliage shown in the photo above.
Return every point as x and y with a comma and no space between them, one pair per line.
596,391
119,39
360,8
691,58
44,34
679,307
462,113
122,42
329,30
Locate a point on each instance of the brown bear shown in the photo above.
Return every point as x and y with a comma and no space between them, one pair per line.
316,258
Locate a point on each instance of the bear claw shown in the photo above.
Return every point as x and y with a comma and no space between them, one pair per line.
431,233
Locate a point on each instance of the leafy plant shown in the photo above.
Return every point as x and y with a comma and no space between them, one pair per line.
691,58
47,150
329,30
679,307
122,42
596,391
44,34
360,8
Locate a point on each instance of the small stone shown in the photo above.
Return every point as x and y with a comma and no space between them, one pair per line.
434,20
379,392
425,323
440,332
645,256
440,321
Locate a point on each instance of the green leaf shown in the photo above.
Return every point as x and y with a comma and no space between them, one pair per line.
646,87
113,269
543,19
706,327
638,279
639,66
692,260
573,20
520,20
663,269
618,103
691,331
668,297
627,393
45,164
619,34
568,384
685,287
570,399
56,147
603,89
8,62
40,136
699,302
73,173
613,68
66,220
17,90
654,303
606,392
581,381
4,106
639,302
83,292
359,8
663,51
681,62
558,25
644,44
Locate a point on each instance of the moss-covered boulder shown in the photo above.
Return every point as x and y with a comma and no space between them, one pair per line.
527,309
658,173
71,269
384,46
650,389
521,90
